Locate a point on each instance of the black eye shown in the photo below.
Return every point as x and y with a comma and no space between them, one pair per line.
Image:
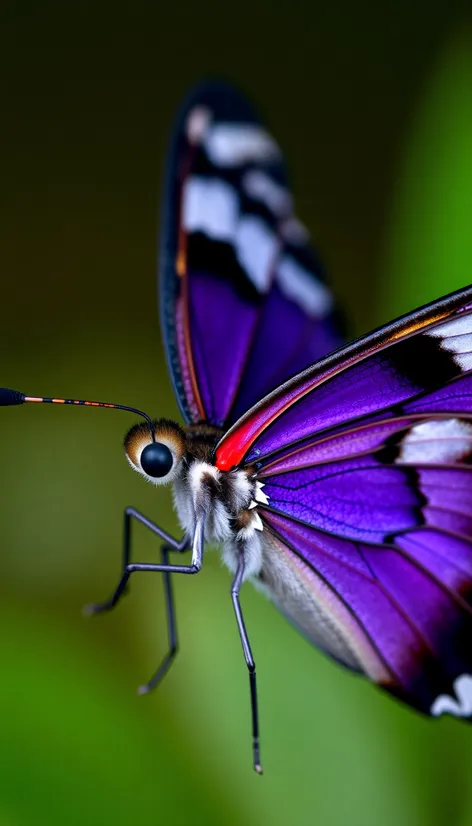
156,459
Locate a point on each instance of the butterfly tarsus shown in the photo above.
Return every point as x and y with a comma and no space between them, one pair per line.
235,589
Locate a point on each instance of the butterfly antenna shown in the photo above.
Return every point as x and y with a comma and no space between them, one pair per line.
9,397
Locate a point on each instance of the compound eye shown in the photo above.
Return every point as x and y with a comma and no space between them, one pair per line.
160,462
156,460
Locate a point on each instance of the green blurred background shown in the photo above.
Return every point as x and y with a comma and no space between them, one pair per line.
373,105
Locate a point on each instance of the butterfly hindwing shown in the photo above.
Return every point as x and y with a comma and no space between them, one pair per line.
243,301
398,613
366,467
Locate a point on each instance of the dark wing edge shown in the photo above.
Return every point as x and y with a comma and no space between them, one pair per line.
168,246
262,280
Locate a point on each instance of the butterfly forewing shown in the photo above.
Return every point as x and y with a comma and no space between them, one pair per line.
366,465
244,305
392,364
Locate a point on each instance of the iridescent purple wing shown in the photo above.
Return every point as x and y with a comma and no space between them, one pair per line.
364,464
243,301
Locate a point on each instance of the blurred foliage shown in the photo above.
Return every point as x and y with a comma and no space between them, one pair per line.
430,251
374,111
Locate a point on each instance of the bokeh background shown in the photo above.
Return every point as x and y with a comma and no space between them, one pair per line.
373,105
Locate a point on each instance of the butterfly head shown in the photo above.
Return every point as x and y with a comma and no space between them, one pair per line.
158,460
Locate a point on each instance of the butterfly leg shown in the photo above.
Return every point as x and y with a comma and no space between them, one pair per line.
170,544
235,589
166,570
171,627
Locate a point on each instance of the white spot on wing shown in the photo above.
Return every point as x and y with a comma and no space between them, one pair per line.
456,337
256,249
456,343
447,440
300,286
264,189
211,206
457,327
197,124
234,144
257,523
260,495
461,705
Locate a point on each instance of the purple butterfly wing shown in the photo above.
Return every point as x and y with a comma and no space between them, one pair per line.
418,354
401,614
243,302
366,503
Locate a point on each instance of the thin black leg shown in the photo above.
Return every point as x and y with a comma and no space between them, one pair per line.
235,589
171,631
171,544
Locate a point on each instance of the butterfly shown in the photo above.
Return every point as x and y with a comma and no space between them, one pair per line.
337,478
